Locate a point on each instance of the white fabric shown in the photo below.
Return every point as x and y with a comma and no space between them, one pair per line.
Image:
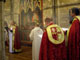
40,36
10,42
35,36
64,29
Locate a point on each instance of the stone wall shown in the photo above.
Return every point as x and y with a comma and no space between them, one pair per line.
62,11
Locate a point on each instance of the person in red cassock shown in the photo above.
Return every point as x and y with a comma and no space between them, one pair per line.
53,43
74,36
14,38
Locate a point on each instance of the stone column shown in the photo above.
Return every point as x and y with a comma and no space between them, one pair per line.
54,11
11,9
58,12
2,45
16,11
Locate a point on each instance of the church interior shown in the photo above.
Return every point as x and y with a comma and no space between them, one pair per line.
23,13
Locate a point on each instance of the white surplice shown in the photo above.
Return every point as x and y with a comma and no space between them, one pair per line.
36,36
10,41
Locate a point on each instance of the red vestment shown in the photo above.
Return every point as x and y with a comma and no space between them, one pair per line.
17,45
74,40
50,51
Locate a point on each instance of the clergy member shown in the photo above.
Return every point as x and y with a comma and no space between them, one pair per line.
74,36
53,43
36,36
14,38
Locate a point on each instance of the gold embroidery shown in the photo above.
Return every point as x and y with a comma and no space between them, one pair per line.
60,36
77,17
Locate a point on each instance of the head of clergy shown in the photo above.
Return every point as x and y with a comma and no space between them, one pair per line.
12,23
37,23
74,12
48,21
34,24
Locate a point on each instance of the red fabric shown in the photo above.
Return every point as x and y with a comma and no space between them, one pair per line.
6,43
50,23
50,51
17,39
74,41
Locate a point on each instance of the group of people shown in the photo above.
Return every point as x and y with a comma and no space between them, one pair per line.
12,37
50,44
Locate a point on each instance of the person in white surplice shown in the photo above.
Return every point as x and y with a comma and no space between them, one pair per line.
36,36
14,38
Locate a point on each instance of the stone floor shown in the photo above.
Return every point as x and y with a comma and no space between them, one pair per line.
26,54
